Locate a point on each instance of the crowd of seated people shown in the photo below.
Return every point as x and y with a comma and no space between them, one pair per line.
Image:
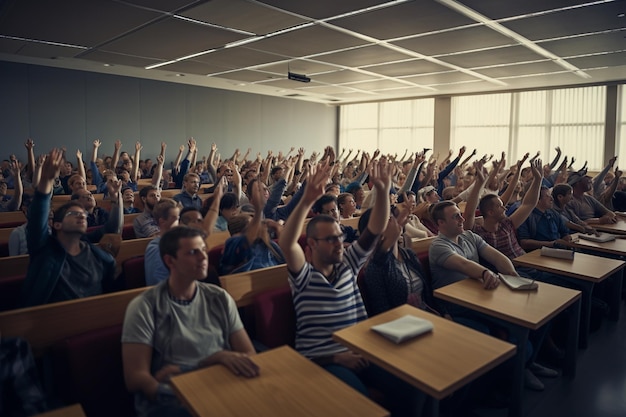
266,201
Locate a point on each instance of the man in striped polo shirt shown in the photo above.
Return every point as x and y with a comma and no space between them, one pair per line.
324,288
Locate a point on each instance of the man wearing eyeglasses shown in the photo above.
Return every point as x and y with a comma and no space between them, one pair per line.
65,265
324,287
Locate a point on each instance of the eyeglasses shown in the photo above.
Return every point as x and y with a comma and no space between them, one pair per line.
76,214
332,210
331,239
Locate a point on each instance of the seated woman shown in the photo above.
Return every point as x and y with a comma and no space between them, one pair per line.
253,248
346,205
394,275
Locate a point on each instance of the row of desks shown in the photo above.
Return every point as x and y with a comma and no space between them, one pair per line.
438,363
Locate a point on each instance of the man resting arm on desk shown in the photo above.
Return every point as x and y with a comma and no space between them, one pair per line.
179,325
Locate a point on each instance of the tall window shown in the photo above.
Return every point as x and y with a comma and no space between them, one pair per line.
572,119
392,127
621,128
482,123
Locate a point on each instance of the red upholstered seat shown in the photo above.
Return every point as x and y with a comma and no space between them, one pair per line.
88,370
128,232
275,318
134,272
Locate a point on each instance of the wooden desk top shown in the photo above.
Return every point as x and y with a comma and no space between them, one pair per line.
614,247
530,309
75,410
583,266
617,228
289,385
439,362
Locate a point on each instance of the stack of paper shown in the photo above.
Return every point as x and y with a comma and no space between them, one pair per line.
557,253
403,328
518,283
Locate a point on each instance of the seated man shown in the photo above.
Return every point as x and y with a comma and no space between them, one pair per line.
454,256
590,210
189,196
544,226
144,225
325,292
179,325
166,214
327,204
561,195
64,265
96,216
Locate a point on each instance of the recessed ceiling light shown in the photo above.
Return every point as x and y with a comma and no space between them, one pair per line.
621,15
180,75
107,65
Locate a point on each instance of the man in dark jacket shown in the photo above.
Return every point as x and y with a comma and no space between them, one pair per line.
66,265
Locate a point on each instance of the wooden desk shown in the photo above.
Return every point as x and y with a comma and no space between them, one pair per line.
526,310
70,411
618,228
584,267
437,363
289,385
613,249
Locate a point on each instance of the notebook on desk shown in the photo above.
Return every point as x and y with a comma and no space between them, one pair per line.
600,238
518,283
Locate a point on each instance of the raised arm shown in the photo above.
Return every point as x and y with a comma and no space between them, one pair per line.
50,170
506,196
81,165
474,196
18,192
288,241
530,199
254,230
94,150
158,171
30,149
134,176
179,156
116,220
116,154
214,211
556,157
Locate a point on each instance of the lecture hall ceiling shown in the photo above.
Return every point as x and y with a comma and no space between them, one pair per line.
352,50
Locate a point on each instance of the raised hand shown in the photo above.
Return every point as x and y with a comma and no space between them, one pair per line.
52,165
29,144
316,181
96,143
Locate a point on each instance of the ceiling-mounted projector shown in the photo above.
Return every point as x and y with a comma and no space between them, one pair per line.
298,77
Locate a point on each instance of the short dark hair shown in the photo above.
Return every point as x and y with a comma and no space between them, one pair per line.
169,243
322,201
275,169
187,210
486,203
436,210
59,214
311,227
229,200
145,190
560,189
